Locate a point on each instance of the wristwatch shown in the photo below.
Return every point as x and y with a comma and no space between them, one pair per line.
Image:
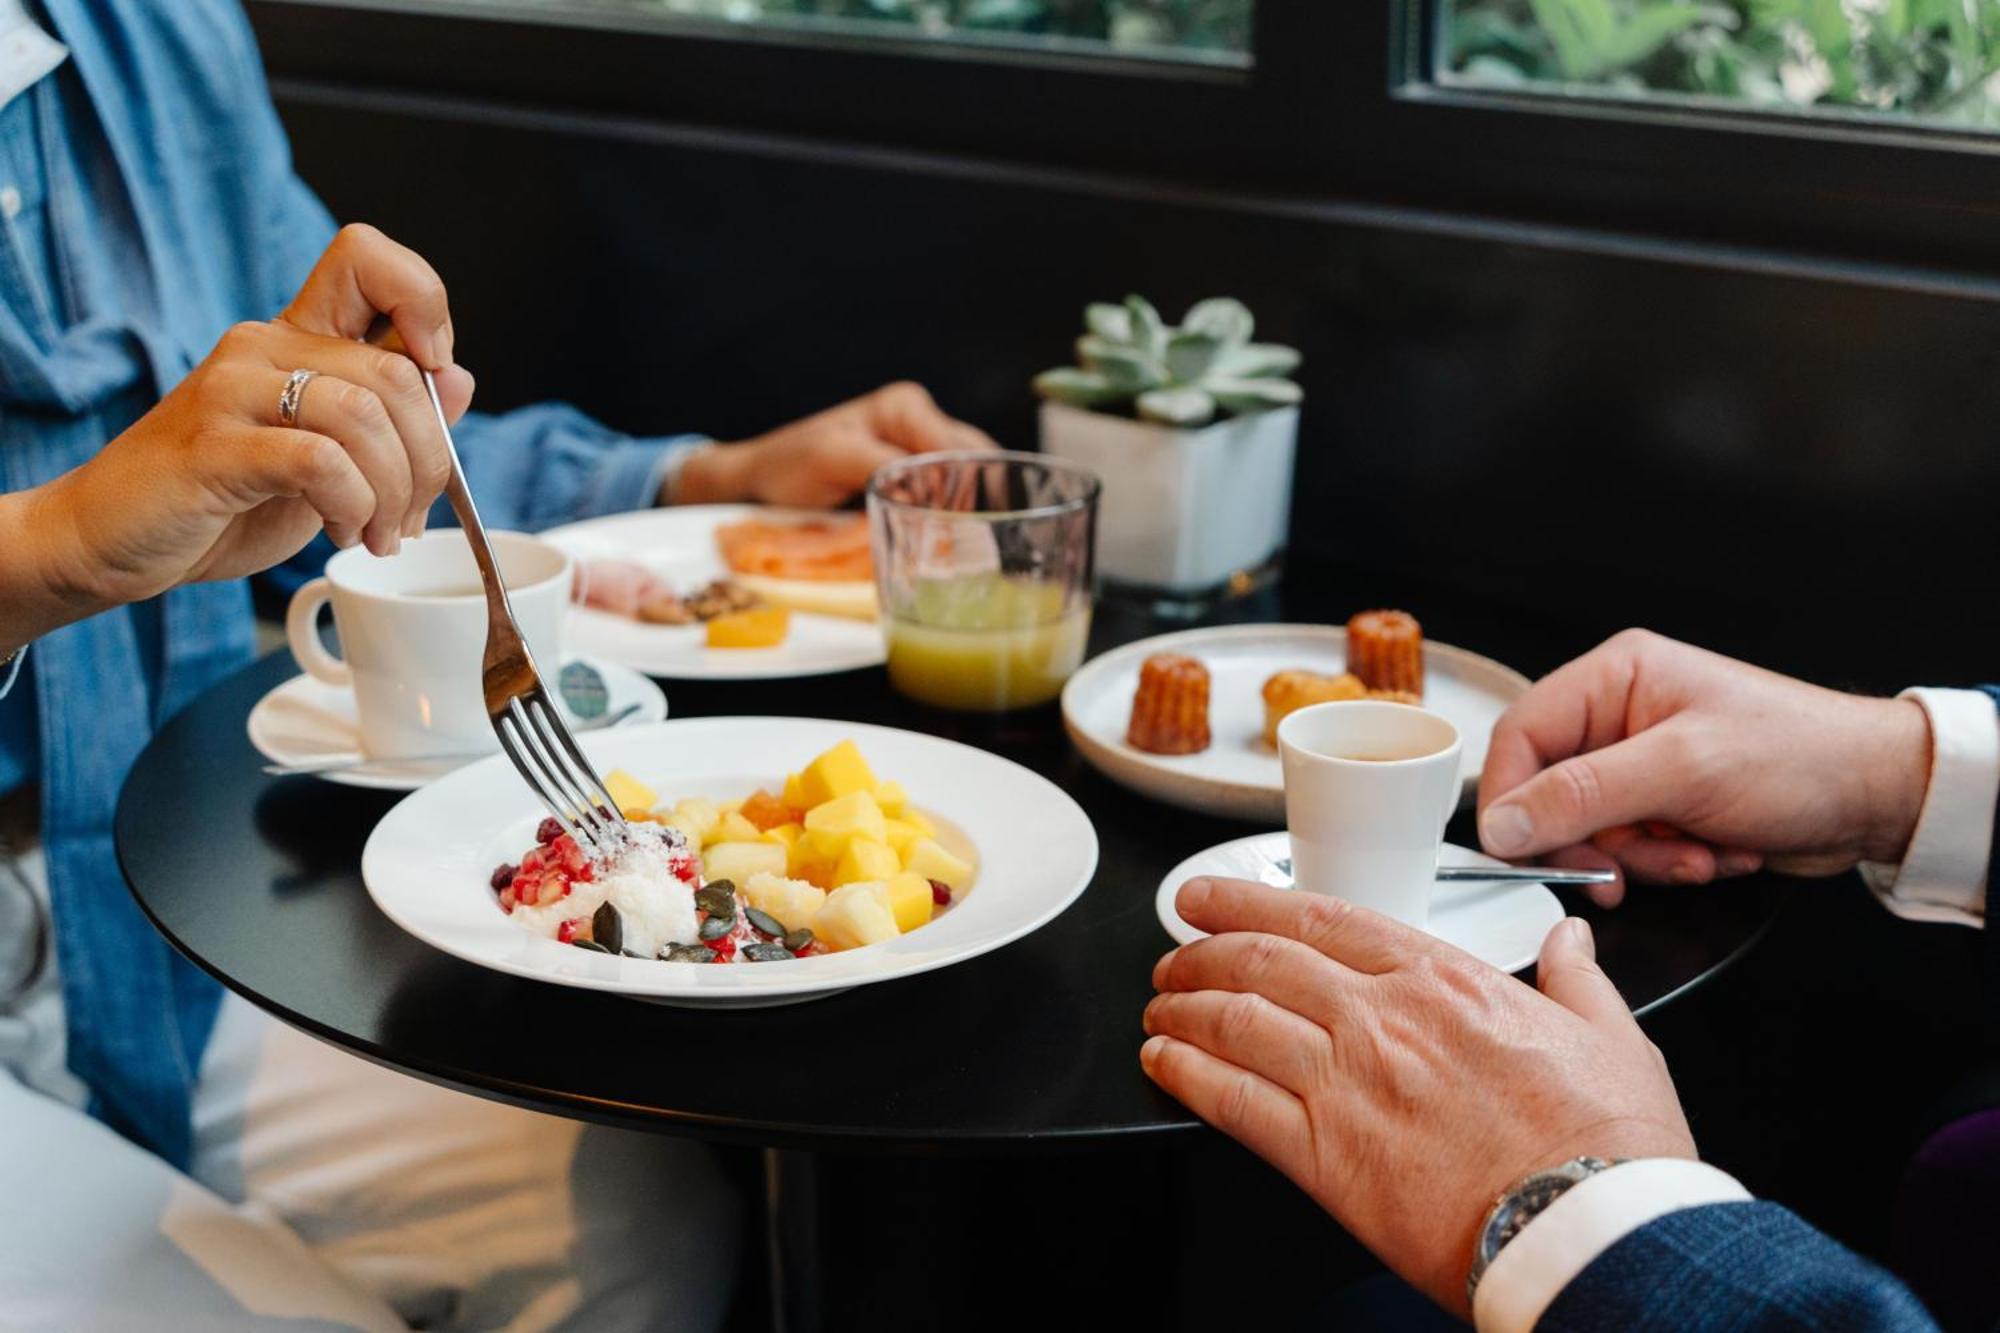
1522,1204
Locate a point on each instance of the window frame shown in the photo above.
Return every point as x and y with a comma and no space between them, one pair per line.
1338,103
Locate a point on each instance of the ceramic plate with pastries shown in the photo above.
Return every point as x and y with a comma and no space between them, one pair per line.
1188,717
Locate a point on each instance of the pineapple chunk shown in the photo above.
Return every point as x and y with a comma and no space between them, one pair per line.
928,859
785,834
803,861
910,899
866,859
733,827
697,818
892,798
852,816
793,901
794,793
738,861
679,825
855,915
915,819
901,833
632,797
839,772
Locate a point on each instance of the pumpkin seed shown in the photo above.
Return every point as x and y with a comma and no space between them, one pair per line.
797,940
607,927
687,953
766,953
765,922
717,926
591,945
717,899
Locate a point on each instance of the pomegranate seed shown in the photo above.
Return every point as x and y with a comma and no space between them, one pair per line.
567,931
724,948
502,877
940,893
507,900
532,863
548,830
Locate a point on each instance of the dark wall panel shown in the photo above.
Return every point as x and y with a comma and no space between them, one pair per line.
1798,468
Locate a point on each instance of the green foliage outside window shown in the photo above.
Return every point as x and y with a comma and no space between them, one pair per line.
1202,25
1931,58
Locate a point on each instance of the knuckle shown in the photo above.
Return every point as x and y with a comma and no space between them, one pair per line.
1633,640
1577,787
399,373
357,234
241,337
1237,1018
361,406
1265,951
1237,1102
907,393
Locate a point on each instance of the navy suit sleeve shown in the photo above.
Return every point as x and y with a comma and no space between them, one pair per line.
1728,1267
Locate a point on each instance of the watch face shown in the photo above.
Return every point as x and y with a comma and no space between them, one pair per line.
1523,1204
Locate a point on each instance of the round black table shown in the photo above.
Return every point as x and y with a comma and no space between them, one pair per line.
257,879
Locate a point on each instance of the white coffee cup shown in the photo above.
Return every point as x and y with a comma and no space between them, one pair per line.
412,633
1369,786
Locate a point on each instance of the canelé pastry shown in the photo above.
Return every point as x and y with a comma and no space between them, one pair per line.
1397,697
1170,710
1289,691
1386,649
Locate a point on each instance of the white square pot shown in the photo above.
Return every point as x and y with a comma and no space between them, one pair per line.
1182,510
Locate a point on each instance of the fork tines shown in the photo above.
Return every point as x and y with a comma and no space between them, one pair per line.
549,759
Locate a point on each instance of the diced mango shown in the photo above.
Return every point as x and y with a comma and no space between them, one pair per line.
733,827
855,915
866,859
910,899
794,794
839,772
854,815
915,819
826,846
698,816
892,798
632,797
932,861
763,627
803,861
738,861
793,901
785,834
901,833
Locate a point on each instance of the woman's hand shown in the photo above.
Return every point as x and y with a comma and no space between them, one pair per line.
1401,1083
1675,764
826,459
209,485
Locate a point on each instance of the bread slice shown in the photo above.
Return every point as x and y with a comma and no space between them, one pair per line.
851,599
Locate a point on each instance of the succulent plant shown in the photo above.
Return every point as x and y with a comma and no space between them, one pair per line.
1131,359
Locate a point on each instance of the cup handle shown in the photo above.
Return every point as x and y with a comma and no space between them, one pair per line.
302,629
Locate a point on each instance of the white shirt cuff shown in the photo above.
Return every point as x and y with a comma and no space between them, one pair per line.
1943,874
1583,1223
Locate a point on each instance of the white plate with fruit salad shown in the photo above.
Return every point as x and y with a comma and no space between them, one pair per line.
770,861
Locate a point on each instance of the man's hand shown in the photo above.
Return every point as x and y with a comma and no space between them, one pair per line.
209,485
826,459
1401,1083
1675,764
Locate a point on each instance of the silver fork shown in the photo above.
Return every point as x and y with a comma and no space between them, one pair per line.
530,727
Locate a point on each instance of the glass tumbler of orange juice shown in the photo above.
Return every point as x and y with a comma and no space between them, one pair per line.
985,563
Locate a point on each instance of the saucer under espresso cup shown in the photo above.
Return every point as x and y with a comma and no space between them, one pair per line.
1369,786
412,630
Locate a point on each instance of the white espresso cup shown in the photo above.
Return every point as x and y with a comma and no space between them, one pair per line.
1369,786
412,633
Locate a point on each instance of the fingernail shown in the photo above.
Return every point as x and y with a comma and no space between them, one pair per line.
1149,1054
1160,969
1194,893
1146,1018
1738,863
1506,829
1580,931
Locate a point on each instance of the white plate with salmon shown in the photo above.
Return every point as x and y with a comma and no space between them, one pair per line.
724,592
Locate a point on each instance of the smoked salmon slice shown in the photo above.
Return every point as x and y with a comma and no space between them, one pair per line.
821,550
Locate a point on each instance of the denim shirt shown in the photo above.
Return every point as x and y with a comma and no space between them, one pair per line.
170,210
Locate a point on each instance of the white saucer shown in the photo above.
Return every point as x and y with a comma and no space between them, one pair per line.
1501,924
305,720
1239,776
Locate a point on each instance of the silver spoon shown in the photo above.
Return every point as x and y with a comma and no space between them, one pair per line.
1492,874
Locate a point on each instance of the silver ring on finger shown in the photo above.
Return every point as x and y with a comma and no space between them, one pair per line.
294,392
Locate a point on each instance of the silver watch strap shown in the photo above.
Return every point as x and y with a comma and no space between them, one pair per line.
1521,1204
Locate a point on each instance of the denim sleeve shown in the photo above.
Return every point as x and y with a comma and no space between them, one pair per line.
1733,1266
540,466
